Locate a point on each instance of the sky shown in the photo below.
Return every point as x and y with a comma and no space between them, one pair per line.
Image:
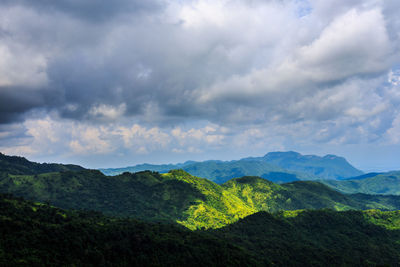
123,82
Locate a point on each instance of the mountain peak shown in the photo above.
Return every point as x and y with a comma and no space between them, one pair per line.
326,167
279,154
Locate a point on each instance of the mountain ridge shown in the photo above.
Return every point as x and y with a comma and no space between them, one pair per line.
20,165
180,197
292,166
387,183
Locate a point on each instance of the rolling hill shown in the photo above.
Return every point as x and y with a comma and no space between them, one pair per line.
20,165
373,183
179,197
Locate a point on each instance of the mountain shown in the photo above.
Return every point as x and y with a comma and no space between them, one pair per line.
219,171
372,183
20,165
278,167
175,196
36,234
179,197
162,168
327,167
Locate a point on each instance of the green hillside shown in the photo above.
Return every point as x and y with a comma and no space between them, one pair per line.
174,196
35,234
20,165
264,195
379,183
178,196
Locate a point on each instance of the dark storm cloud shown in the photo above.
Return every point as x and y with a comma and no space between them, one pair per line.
226,62
91,10
15,101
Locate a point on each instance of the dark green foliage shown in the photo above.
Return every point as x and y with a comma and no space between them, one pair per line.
33,234
40,235
140,195
20,165
319,238
373,183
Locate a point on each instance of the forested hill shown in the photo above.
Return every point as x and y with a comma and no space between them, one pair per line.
35,234
20,165
387,183
278,167
247,221
179,197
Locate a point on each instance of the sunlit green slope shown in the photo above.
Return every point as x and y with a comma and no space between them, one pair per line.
180,197
175,196
264,195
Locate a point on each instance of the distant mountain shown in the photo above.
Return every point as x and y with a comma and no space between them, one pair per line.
220,171
279,167
36,234
372,183
179,197
327,167
20,165
162,168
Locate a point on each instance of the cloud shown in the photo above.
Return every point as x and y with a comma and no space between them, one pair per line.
89,10
149,77
106,112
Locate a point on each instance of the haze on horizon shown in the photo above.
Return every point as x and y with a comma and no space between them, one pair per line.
117,83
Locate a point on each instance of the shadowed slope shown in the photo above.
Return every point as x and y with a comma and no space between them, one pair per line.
374,183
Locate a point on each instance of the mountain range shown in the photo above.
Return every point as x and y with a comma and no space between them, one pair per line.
176,196
66,215
277,167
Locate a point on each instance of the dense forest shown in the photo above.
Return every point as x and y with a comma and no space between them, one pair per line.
39,234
